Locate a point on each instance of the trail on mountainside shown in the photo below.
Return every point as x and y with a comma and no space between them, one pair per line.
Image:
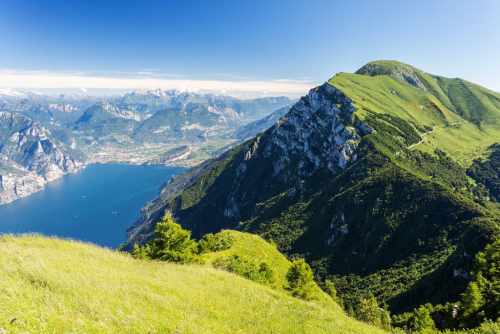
424,138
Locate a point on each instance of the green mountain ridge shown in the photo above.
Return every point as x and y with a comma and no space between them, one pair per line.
366,178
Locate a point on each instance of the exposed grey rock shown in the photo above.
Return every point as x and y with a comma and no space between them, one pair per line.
319,133
29,157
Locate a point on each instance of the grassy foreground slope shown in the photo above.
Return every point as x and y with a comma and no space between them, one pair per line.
50,285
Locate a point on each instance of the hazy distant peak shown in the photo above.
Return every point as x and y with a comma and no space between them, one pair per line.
157,92
11,92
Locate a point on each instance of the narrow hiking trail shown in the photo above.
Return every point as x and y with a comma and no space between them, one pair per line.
424,135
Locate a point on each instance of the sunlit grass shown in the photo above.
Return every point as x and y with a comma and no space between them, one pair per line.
464,142
56,286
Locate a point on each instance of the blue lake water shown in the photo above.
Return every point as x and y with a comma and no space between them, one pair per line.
96,204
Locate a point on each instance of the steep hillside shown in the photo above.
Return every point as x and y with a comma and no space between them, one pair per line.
30,157
51,285
103,119
365,177
176,124
52,114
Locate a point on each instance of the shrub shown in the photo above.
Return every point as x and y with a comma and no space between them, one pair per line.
172,243
214,243
367,310
247,268
300,279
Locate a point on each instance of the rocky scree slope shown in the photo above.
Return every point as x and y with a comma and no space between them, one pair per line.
325,183
30,157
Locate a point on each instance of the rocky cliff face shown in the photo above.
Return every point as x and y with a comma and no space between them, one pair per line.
319,132
29,157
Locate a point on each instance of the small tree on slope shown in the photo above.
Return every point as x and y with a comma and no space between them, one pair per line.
172,243
300,279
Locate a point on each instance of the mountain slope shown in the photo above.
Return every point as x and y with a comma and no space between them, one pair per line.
51,285
251,129
103,119
182,124
259,108
365,177
49,113
31,157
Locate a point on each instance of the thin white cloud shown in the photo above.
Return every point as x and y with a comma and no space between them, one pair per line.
171,75
83,90
294,81
70,79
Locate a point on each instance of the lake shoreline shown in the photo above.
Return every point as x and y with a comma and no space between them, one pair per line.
96,204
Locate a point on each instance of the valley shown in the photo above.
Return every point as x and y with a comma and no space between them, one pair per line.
144,127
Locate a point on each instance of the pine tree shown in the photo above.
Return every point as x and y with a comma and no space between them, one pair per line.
367,310
300,279
472,299
172,243
421,321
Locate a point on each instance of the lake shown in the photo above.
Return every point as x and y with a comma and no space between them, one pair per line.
96,204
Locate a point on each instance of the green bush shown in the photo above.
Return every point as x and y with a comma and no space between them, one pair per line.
329,288
172,243
247,268
421,321
300,279
214,243
367,310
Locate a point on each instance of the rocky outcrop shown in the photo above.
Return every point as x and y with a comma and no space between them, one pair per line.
127,112
17,183
29,157
320,133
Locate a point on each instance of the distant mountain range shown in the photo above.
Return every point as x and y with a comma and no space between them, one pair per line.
183,116
251,129
124,127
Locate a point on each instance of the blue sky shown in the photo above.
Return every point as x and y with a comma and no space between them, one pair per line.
246,46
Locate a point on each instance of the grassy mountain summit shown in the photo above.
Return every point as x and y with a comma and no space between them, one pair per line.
366,178
50,285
